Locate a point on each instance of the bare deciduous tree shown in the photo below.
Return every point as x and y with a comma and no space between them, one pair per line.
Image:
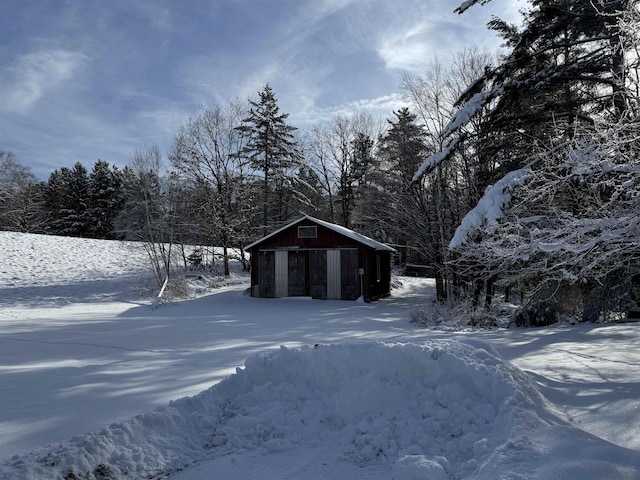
205,154
340,152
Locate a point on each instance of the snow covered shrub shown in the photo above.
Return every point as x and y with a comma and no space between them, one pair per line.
482,319
455,316
177,288
195,259
429,315
537,315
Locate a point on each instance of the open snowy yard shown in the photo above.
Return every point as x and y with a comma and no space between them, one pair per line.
325,389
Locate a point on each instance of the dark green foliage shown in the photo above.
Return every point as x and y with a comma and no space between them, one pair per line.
67,201
105,199
80,204
271,149
401,150
566,68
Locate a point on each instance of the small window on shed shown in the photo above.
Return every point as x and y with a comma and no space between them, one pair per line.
308,232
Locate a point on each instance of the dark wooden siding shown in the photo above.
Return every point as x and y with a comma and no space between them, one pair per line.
326,239
267,274
306,266
349,278
297,273
378,288
318,274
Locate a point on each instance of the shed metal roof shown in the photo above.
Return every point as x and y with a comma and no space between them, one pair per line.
363,239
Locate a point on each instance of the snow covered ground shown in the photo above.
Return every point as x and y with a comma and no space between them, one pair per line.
92,377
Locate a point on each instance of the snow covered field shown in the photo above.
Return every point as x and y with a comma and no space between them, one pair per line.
326,389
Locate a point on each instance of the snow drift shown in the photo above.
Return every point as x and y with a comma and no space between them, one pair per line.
439,410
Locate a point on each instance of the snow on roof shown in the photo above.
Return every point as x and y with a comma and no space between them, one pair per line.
358,237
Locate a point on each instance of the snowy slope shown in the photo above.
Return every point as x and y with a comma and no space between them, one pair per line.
81,352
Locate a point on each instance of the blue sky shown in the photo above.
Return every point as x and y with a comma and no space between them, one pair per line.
82,80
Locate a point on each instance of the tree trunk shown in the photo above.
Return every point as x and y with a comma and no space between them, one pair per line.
265,206
477,290
441,294
490,290
225,260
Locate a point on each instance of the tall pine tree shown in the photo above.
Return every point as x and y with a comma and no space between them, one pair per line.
271,149
567,68
66,201
106,199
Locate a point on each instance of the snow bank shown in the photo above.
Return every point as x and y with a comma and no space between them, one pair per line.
439,410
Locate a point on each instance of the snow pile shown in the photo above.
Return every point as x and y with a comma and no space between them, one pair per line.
438,410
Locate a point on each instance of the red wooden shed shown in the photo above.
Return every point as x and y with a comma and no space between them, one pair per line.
312,257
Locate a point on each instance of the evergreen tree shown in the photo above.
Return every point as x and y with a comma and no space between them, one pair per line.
358,162
66,201
565,76
563,229
567,67
271,148
55,198
75,215
401,150
402,147
105,199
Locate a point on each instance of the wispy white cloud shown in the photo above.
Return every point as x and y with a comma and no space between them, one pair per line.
406,49
34,75
413,39
379,108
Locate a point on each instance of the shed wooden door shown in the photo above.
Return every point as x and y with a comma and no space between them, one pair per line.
282,273
266,274
318,274
334,284
349,278
296,274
